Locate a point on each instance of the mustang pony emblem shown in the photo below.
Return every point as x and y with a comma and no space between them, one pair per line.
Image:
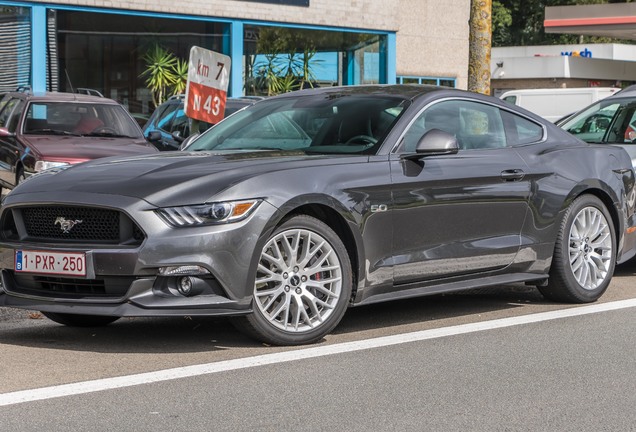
66,224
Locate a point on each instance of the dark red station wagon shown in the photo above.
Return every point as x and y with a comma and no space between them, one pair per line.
42,131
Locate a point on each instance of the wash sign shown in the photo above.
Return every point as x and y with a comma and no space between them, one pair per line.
208,79
585,53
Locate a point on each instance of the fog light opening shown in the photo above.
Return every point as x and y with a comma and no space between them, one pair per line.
184,286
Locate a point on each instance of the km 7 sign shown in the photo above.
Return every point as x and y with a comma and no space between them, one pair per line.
208,79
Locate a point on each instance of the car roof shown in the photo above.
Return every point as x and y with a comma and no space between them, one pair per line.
375,89
406,91
62,97
626,92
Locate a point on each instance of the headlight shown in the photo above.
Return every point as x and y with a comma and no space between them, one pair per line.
208,214
44,165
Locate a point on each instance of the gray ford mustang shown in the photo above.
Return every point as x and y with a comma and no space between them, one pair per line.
294,209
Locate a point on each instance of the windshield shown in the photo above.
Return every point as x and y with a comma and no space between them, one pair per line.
79,118
611,120
312,122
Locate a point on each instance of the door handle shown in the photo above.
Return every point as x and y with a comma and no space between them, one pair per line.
512,175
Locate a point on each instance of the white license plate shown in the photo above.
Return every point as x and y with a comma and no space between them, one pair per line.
58,263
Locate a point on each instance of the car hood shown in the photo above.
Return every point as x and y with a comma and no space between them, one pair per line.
176,178
77,148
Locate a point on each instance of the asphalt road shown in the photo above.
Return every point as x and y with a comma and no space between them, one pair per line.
456,362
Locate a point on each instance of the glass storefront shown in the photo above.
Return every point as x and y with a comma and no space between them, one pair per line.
106,52
278,59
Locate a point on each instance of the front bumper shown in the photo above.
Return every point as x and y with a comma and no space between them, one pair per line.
225,251
143,298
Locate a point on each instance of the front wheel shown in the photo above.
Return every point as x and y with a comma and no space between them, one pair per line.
75,320
584,254
302,284
20,177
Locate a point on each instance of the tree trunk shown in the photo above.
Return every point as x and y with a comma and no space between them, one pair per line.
480,41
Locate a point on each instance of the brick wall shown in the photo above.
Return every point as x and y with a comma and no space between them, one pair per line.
363,14
432,39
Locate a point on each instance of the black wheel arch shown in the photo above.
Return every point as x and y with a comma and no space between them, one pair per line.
607,200
335,216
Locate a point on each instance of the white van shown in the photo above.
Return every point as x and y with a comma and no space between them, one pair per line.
556,103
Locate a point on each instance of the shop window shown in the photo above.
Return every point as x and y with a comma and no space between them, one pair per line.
444,82
105,52
281,59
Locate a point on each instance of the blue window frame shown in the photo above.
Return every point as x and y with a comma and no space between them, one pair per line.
439,81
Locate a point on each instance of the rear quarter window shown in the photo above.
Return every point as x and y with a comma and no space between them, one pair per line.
520,130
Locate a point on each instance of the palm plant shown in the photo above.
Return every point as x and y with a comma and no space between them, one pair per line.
181,74
160,72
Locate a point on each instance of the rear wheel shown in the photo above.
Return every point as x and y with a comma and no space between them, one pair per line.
74,320
302,284
584,254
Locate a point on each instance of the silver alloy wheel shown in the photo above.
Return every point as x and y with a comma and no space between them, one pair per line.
590,248
298,280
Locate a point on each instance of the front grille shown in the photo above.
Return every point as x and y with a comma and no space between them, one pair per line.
89,223
56,287
71,224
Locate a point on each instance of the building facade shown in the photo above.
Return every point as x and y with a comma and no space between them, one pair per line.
104,44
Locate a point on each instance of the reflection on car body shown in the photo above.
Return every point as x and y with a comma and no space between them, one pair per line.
290,211
169,126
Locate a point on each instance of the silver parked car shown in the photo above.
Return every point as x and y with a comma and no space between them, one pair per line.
609,121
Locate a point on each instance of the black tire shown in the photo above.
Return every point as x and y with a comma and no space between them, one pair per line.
19,176
303,263
74,320
584,255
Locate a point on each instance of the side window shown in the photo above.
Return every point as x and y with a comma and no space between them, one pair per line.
481,126
6,112
180,123
629,135
608,121
475,125
443,116
165,117
14,119
520,130
622,128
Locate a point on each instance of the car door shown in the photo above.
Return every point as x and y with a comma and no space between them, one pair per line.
460,213
10,148
160,121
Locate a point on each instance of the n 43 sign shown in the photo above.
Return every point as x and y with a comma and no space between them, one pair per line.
208,79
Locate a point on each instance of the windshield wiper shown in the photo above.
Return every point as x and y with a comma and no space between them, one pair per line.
51,131
106,134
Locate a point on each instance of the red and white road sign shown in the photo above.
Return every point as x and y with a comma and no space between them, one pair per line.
208,79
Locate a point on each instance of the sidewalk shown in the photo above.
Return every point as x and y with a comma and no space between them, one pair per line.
11,314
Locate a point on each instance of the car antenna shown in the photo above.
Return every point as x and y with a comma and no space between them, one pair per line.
68,78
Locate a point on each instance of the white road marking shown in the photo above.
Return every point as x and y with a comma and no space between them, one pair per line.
299,354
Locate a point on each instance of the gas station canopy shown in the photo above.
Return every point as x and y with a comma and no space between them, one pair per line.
616,20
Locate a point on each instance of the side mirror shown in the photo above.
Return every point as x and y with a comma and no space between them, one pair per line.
436,142
154,136
4,132
176,135
185,143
